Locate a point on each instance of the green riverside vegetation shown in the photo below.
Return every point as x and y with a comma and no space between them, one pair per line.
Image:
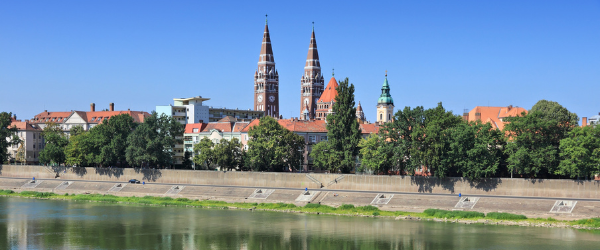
344,209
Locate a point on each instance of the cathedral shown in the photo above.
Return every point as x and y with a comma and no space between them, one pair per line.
316,99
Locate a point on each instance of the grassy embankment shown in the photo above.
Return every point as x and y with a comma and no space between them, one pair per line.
345,209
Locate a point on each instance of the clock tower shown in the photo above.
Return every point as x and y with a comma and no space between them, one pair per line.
312,82
266,79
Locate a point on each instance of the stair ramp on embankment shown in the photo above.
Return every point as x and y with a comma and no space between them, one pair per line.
261,193
313,179
174,190
117,187
32,184
63,185
563,206
336,180
382,199
466,203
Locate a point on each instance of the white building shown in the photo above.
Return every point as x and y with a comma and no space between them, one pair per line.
32,141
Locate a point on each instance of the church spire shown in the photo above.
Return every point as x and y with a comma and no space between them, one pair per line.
312,82
266,78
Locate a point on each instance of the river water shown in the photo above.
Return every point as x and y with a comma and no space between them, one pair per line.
49,224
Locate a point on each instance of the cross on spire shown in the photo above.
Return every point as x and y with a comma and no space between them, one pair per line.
386,73
332,72
266,19
313,26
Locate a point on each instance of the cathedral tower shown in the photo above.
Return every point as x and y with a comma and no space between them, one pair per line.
266,79
312,82
385,104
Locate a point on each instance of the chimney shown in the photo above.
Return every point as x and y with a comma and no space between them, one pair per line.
583,121
111,106
92,107
45,111
15,116
466,115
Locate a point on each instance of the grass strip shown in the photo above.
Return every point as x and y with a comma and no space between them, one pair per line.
344,209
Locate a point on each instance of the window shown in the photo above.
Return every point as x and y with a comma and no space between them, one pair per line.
33,135
380,117
324,138
312,138
33,145
195,130
246,137
187,138
389,117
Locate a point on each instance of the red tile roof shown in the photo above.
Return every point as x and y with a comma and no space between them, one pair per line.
189,128
494,115
330,91
89,116
239,126
315,126
20,125
371,128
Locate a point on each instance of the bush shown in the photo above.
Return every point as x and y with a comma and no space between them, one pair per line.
376,213
505,216
312,205
66,194
439,213
346,207
5,192
591,222
368,208
183,199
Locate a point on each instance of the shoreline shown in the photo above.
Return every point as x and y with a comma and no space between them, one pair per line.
592,224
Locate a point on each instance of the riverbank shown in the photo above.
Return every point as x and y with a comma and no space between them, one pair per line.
438,215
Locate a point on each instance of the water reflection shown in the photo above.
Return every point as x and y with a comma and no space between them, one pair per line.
37,224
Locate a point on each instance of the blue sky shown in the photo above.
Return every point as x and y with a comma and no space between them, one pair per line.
64,55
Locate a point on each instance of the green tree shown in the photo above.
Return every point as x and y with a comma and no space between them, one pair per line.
475,150
374,155
399,138
580,153
76,151
205,156
322,156
20,157
8,136
273,148
228,154
534,139
430,146
152,142
74,131
56,141
343,131
187,162
113,134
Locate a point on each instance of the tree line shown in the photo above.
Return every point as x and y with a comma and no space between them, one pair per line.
116,142
546,142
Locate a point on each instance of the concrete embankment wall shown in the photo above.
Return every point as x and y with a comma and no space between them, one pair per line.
491,186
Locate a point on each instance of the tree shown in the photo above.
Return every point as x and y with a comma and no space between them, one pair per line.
76,152
8,136
113,134
475,150
374,155
273,148
187,162
20,157
343,131
152,142
322,156
430,145
205,156
56,141
399,138
228,154
534,138
580,153
74,131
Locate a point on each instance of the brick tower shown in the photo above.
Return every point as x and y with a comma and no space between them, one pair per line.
266,79
312,82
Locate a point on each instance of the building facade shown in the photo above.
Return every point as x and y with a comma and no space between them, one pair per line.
493,115
266,79
186,110
32,143
87,120
311,82
385,104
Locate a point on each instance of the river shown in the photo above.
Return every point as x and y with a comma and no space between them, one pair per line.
51,224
